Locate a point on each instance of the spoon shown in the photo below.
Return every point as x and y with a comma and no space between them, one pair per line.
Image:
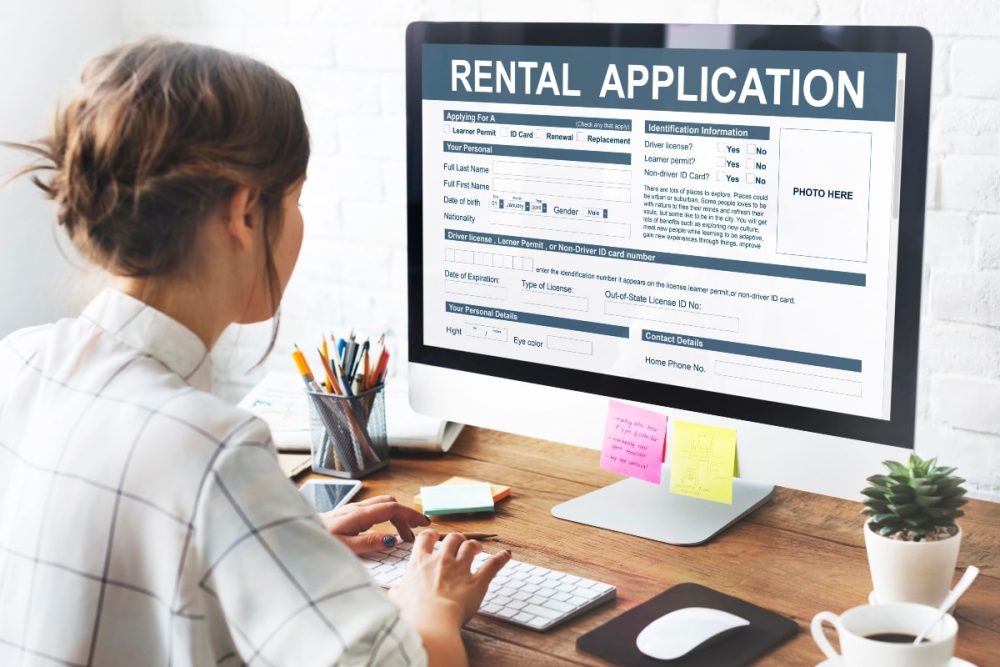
963,584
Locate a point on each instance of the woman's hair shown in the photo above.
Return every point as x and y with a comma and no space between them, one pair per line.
160,134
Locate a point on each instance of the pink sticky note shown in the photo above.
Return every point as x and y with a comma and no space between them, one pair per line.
635,442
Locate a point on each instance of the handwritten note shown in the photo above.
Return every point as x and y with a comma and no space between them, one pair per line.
703,461
634,441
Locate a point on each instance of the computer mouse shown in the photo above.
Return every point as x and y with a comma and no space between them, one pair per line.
683,630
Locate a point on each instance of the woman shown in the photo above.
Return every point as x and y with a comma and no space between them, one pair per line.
143,521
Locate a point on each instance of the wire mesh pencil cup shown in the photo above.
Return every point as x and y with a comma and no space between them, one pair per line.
347,433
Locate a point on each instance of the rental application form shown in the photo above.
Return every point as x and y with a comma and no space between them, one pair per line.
724,220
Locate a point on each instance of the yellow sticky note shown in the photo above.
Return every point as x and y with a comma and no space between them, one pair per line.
703,461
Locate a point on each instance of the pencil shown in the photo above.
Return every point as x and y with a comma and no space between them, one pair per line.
330,382
303,366
364,369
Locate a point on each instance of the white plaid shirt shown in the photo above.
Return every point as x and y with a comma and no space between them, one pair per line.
145,522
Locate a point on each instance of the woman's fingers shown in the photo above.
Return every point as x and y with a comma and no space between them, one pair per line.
374,500
370,542
424,544
451,543
363,518
351,507
491,566
467,551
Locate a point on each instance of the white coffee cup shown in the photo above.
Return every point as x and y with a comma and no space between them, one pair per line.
855,625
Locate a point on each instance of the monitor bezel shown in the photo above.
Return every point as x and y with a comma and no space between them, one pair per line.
914,42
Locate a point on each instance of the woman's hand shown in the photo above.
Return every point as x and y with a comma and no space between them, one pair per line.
439,586
350,521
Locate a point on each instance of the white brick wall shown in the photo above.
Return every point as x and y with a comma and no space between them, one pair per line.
347,60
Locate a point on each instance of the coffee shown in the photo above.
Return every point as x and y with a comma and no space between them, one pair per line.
894,637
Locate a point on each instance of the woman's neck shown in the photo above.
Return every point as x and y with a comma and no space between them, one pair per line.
194,307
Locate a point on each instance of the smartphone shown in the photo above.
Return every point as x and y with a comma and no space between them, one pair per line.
327,495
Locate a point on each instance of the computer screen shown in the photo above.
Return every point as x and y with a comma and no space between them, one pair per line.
723,219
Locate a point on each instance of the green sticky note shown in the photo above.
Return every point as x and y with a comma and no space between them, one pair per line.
456,498
703,461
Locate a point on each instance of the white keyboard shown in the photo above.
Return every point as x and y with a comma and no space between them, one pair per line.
529,595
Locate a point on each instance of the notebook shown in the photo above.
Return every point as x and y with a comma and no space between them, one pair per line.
615,640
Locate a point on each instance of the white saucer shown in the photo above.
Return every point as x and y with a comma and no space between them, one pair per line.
837,662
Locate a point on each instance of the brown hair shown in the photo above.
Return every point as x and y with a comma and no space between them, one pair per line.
160,133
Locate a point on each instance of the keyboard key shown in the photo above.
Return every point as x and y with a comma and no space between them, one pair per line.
539,622
524,617
508,613
601,588
490,608
558,606
501,599
536,599
517,604
542,611
521,595
561,597
546,592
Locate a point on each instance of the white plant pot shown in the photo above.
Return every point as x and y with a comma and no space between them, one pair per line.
911,571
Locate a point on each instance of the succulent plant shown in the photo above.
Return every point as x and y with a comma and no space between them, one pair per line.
914,500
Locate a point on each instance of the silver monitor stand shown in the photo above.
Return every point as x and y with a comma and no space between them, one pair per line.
648,510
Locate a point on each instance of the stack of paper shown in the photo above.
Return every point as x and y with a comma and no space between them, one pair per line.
499,491
279,399
456,498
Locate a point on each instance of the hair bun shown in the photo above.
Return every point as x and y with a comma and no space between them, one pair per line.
159,133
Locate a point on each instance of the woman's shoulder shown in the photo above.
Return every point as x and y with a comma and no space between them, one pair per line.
17,353
218,420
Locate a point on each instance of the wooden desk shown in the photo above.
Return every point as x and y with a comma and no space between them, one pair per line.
799,554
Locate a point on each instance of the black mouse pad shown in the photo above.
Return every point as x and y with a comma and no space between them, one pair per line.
615,640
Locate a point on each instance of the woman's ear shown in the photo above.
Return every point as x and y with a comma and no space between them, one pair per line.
241,219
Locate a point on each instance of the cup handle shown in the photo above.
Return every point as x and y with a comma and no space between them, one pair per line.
818,635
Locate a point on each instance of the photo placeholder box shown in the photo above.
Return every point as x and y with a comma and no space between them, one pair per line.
823,194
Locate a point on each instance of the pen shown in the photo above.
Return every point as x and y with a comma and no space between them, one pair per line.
357,359
348,359
343,380
470,536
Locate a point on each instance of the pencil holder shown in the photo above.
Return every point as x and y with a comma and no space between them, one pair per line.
348,434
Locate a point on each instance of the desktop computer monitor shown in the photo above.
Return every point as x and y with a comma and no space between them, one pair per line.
720,222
